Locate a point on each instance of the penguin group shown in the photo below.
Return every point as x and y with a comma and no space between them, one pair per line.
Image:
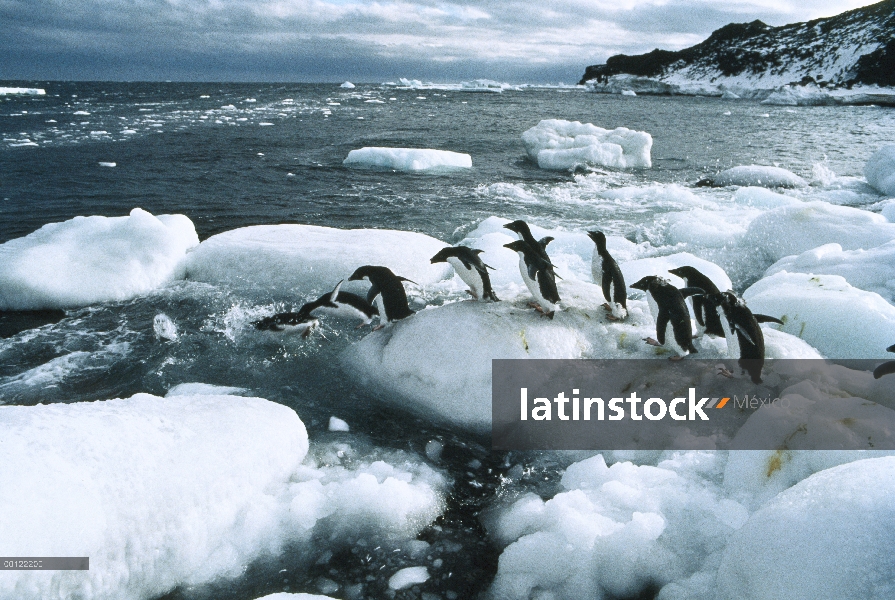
716,313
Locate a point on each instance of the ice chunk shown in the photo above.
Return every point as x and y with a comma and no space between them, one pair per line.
794,229
10,91
758,197
288,596
794,95
407,577
839,320
880,170
337,424
872,270
557,144
169,491
347,85
204,389
107,164
306,259
758,175
829,536
93,259
164,327
408,159
629,93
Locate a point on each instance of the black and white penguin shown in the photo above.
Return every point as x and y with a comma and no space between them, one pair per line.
521,228
469,266
289,322
745,340
386,291
608,275
538,277
344,305
707,320
887,367
673,326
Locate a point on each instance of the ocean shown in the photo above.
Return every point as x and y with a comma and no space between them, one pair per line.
229,156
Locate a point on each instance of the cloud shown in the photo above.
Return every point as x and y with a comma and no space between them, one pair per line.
328,39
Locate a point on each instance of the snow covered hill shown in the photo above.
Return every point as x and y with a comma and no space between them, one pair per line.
855,48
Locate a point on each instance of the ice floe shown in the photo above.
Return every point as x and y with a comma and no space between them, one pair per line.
307,259
558,144
408,159
11,91
880,170
347,85
757,175
93,259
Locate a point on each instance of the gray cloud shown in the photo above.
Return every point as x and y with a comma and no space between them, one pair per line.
329,40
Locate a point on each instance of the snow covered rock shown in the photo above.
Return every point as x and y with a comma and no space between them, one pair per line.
158,492
829,536
794,229
408,159
87,260
306,259
880,170
757,175
839,320
557,144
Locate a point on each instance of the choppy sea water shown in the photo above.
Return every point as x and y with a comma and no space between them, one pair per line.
229,156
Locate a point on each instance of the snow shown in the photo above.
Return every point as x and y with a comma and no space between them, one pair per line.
839,320
757,175
872,270
829,536
408,159
9,91
789,230
183,490
558,144
87,260
347,85
407,577
880,170
307,259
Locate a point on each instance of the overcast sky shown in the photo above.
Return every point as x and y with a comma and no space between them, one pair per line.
544,41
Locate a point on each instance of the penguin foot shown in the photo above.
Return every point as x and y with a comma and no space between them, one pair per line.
549,315
306,332
360,326
473,294
651,341
607,307
378,327
536,306
675,358
725,372
612,317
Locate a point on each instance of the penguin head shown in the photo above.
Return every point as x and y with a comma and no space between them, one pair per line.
685,272
367,271
442,255
517,226
599,239
647,283
518,246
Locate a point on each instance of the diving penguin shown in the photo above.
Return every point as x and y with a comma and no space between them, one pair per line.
745,340
342,305
386,291
538,277
469,266
673,326
608,275
290,322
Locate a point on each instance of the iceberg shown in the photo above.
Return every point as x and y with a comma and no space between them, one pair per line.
12,91
880,170
347,85
789,95
307,259
87,260
757,175
558,144
408,159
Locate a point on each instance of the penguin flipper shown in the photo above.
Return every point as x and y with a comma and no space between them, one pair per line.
767,319
335,293
690,291
607,288
544,241
884,369
742,331
661,326
699,309
407,280
371,295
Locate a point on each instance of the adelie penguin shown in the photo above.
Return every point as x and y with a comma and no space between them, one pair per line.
887,367
290,322
745,340
386,291
673,326
521,228
343,305
538,277
608,276
707,320
469,266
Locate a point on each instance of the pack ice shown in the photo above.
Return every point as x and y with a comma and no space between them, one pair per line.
558,144
408,159
161,492
880,170
306,259
93,259
757,175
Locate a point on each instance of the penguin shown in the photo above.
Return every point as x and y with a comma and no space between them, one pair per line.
342,305
672,316
290,322
608,275
538,277
745,340
387,291
708,322
521,228
887,367
470,268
